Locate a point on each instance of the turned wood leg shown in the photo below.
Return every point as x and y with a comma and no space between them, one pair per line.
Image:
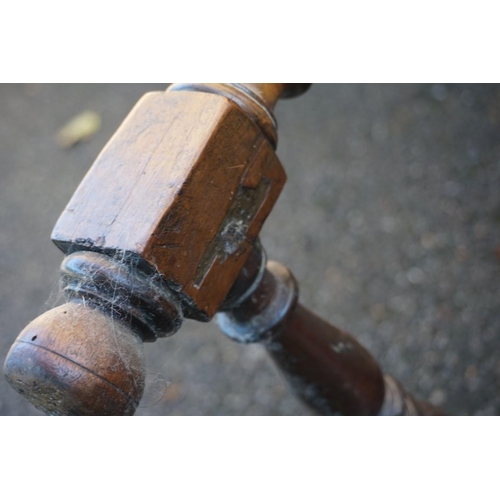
325,366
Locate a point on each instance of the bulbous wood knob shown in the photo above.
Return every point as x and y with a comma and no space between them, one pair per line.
76,360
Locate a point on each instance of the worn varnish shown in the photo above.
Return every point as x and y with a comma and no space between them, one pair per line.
327,367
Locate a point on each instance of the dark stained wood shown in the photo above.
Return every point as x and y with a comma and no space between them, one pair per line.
326,367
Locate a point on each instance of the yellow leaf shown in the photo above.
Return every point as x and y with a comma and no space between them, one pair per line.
80,128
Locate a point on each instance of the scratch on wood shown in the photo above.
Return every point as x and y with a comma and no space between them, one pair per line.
233,230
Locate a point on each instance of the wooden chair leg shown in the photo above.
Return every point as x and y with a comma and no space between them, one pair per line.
325,366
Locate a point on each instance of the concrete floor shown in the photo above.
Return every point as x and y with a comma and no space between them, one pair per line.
390,221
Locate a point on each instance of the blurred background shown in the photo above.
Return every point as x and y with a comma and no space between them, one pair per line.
390,221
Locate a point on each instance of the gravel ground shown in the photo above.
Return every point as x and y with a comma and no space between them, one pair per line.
390,221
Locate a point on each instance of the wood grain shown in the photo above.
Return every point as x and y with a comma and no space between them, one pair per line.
183,188
75,360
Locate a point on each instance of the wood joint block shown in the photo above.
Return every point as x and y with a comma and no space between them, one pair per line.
182,188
